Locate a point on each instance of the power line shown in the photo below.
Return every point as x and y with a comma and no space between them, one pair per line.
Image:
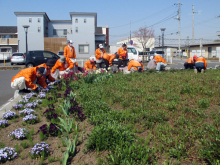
164,10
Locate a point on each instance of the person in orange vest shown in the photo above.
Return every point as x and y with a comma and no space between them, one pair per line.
160,62
69,51
90,64
28,78
190,63
108,58
200,65
123,55
62,66
134,66
99,55
49,65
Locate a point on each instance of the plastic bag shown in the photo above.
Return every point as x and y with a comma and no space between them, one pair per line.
151,65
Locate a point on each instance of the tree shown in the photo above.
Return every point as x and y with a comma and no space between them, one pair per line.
144,36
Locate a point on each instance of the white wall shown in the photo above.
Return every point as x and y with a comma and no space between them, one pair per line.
52,26
35,38
85,35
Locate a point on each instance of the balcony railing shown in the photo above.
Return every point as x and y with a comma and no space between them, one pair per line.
8,41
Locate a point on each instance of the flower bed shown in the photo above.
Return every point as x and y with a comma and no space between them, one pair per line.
49,130
30,119
26,111
31,105
20,133
18,106
39,149
9,115
3,123
7,153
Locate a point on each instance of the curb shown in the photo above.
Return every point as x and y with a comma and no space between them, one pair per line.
9,104
11,67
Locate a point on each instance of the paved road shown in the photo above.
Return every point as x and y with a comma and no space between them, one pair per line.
178,63
6,92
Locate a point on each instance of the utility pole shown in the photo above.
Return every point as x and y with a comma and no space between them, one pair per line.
159,40
193,23
187,46
130,31
179,22
201,46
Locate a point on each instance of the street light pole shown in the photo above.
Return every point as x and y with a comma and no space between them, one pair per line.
26,30
130,31
162,30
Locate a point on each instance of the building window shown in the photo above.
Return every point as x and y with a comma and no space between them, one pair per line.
84,20
60,33
83,48
76,20
39,29
76,29
30,20
38,20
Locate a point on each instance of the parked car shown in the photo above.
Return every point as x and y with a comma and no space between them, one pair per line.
37,57
153,53
60,53
18,58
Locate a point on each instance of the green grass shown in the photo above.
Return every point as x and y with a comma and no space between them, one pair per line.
176,113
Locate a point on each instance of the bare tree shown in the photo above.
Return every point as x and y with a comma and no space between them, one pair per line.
144,36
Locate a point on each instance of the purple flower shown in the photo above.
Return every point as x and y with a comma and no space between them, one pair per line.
19,133
18,106
30,117
26,112
9,115
39,148
3,123
7,153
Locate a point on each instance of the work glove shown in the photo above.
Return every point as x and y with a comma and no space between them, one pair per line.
67,70
37,89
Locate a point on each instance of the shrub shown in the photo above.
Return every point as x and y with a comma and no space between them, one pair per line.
107,136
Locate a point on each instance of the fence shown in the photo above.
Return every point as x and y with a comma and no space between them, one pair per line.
54,44
5,55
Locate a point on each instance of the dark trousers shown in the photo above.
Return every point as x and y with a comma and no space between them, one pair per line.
188,65
106,64
200,66
121,62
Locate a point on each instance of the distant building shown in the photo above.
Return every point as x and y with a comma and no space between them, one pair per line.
209,50
150,44
52,35
8,39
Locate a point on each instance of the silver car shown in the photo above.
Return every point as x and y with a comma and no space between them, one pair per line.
18,58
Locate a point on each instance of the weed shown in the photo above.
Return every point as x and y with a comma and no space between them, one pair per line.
204,103
51,159
17,148
24,144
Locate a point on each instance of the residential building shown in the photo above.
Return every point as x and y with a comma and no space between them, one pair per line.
209,50
52,35
8,39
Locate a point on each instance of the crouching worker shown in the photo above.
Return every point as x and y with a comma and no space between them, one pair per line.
135,66
62,66
200,65
190,63
49,65
108,58
99,55
90,64
160,62
28,78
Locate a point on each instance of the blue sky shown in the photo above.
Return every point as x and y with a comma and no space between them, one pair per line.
116,14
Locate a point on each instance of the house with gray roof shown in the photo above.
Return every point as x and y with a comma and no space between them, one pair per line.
52,35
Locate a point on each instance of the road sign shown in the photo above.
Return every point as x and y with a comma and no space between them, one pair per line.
131,42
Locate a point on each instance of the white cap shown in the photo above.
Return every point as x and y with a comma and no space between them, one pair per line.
91,58
70,41
100,46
